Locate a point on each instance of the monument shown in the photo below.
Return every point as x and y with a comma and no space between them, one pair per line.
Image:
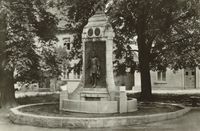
97,92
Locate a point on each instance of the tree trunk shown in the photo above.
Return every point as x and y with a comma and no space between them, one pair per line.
7,91
145,74
144,55
146,93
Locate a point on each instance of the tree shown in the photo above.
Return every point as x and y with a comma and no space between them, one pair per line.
167,33
63,57
49,66
21,22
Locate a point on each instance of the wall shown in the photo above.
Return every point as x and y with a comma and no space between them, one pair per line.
174,80
197,78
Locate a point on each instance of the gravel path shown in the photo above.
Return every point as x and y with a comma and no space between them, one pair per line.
188,122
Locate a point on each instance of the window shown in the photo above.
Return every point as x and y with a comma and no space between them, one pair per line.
193,73
161,75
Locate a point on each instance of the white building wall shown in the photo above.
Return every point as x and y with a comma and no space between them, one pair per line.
174,80
197,78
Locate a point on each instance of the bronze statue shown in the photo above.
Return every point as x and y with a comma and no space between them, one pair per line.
94,69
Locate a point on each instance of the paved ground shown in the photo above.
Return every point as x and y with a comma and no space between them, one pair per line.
188,122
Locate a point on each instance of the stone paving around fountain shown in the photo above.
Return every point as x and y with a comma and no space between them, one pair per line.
188,122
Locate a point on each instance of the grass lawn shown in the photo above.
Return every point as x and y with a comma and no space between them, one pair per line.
183,99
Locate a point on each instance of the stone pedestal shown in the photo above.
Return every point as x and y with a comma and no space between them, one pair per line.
63,96
123,102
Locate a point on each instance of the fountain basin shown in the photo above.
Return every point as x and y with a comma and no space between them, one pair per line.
18,116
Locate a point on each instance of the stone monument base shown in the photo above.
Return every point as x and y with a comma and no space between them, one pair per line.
94,94
98,100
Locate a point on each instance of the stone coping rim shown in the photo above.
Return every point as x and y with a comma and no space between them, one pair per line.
17,112
21,118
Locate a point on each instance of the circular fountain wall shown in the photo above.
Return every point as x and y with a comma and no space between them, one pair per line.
33,115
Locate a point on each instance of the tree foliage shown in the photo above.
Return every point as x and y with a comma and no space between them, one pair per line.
170,29
124,55
26,20
23,21
167,33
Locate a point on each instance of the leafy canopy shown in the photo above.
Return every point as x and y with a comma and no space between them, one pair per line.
169,29
25,20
